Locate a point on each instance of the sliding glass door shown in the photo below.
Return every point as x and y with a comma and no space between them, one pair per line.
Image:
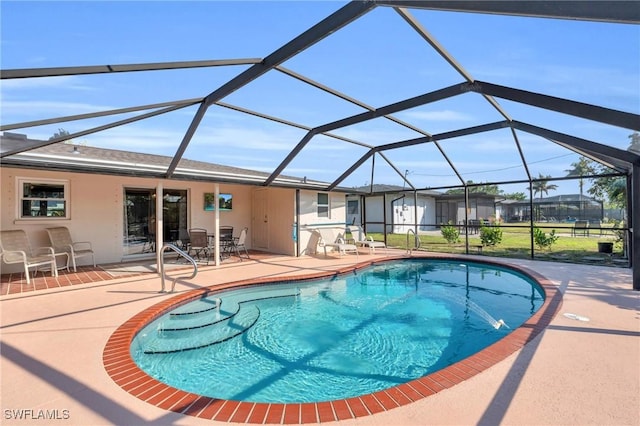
140,219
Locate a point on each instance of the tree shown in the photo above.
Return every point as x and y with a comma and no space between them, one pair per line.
611,189
581,168
490,189
60,133
520,196
634,145
542,185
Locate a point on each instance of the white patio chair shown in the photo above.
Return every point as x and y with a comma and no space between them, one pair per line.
238,243
62,242
328,239
361,239
15,248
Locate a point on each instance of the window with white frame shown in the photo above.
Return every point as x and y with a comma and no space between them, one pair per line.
43,198
323,205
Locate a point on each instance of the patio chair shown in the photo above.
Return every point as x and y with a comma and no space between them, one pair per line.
580,227
15,248
361,239
328,239
226,241
183,240
62,242
238,243
199,244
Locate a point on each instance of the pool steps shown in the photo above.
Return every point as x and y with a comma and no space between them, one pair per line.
201,326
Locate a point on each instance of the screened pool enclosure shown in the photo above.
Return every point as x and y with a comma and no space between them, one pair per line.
379,100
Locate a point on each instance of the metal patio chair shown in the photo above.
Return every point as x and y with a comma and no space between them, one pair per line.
199,244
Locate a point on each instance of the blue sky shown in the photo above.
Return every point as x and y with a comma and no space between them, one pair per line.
377,59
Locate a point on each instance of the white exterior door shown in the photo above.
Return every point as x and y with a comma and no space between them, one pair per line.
260,220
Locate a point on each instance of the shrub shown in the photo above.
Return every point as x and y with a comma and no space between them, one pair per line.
490,235
450,233
543,240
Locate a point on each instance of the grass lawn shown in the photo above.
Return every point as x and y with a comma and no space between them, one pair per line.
516,243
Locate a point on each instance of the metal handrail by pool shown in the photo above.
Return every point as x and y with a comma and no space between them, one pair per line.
416,242
180,253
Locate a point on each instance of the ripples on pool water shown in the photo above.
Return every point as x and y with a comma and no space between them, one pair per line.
337,338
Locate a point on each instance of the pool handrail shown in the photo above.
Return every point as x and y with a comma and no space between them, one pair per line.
416,241
180,253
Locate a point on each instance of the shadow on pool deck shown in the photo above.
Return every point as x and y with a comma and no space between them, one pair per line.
573,372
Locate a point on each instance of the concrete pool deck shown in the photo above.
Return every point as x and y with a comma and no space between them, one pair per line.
573,372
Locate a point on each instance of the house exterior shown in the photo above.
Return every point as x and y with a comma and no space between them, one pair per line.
400,210
428,209
126,216
451,208
558,208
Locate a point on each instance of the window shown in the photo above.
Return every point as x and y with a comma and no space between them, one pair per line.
43,198
352,207
323,205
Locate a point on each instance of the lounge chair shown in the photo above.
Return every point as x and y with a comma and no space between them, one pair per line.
361,239
15,248
328,239
62,242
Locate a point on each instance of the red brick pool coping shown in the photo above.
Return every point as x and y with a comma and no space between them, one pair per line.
123,370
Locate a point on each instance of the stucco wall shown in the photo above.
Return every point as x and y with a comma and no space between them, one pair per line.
403,214
374,213
96,209
309,218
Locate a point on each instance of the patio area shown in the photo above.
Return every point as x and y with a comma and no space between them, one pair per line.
574,372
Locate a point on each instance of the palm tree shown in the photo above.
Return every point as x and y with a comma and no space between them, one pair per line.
542,185
580,168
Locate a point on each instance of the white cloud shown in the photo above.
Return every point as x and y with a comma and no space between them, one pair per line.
47,109
61,82
245,138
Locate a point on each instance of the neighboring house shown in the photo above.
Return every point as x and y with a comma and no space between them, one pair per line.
433,209
558,208
451,207
116,209
395,207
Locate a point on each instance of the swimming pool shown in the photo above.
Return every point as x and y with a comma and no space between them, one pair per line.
350,335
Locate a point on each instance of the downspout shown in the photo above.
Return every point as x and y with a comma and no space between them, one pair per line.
393,216
384,218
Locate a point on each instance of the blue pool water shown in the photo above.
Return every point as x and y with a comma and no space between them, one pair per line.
338,338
